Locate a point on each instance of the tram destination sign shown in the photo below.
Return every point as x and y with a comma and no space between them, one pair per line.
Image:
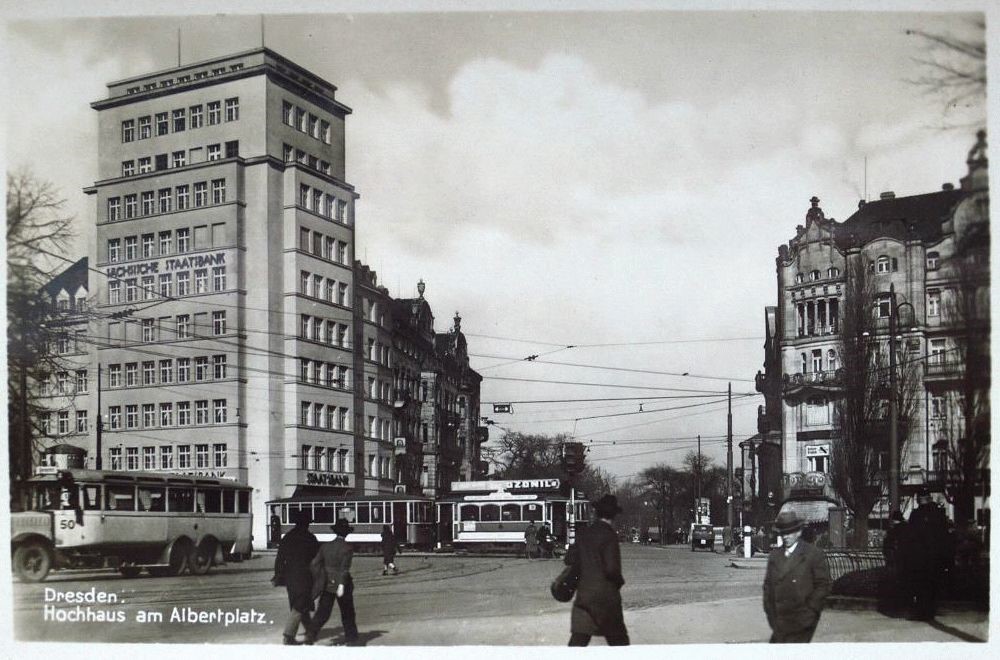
509,484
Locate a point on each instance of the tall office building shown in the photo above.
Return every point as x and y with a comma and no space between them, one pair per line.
225,235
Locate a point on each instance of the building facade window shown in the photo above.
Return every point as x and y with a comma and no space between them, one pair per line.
196,116
183,240
162,123
933,303
183,413
218,323
214,113
180,118
933,260
145,127
232,109
200,194
183,198
218,191
128,130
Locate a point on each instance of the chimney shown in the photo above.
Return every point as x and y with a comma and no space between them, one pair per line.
947,186
887,195
861,204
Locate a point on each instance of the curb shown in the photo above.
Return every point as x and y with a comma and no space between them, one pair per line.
862,603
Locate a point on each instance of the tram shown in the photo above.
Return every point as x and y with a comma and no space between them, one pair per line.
492,515
411,518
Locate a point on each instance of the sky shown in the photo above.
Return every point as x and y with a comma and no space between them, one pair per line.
614,181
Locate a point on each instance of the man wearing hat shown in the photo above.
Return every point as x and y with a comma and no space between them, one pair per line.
926,551
291,569
597,609
796,584
332,566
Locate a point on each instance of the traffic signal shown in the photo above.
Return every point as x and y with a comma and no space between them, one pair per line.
573,460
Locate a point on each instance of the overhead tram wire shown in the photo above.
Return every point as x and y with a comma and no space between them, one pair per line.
620,398
634,343
610,385
623,369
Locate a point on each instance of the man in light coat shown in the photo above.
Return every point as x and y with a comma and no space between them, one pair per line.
332,566
796,584
597,609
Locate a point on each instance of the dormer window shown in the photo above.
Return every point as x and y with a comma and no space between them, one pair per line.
933,260
833,272
814,275
882,265
800,278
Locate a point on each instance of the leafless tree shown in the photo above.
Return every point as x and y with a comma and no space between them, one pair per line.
965,436
664,486
538,456
36,228
860,457
952,68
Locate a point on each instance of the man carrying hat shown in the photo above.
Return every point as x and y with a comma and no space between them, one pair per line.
597,609
332,566
796,584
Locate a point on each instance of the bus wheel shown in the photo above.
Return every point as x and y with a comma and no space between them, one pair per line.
200,559
178,561
129,571
32,561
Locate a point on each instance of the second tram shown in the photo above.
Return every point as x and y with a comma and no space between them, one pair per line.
493,515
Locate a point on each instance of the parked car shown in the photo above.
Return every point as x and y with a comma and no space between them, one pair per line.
702,536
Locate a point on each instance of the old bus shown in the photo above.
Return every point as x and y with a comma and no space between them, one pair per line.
165,523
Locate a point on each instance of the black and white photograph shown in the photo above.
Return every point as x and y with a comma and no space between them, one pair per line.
429,325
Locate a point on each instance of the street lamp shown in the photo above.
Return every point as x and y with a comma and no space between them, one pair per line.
894,308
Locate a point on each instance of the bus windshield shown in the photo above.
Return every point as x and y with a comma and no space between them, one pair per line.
54,497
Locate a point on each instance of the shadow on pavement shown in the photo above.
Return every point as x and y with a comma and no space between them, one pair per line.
336,638
954,632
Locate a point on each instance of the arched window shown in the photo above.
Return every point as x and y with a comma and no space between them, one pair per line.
933,260
831,360
882,264
814,275
833,272
800,278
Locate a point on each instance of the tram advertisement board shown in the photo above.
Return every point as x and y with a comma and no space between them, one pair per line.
509,484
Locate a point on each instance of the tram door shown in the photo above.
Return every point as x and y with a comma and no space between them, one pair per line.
558,522
399,522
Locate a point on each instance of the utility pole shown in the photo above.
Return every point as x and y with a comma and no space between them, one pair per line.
729,461
697,502
100,422
893,429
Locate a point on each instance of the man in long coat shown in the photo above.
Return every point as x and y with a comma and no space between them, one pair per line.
291,568
333,566
796,584
597,609
926,551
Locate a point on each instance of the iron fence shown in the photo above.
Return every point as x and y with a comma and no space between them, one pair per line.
842,561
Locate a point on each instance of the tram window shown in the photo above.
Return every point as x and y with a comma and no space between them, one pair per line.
180,499
469,512
348,512
244,498
120,498
323,513
364,512
533,512
490,512
91,497
199,501
213,500
228,501
151,499
510,512
377,512
293,511
425,511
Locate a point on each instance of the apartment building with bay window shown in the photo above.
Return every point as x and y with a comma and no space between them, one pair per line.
924,260
225,338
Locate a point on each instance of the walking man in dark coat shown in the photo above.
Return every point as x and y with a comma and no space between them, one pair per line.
291,568
796,583
597,609
332,565
388,551
926,553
